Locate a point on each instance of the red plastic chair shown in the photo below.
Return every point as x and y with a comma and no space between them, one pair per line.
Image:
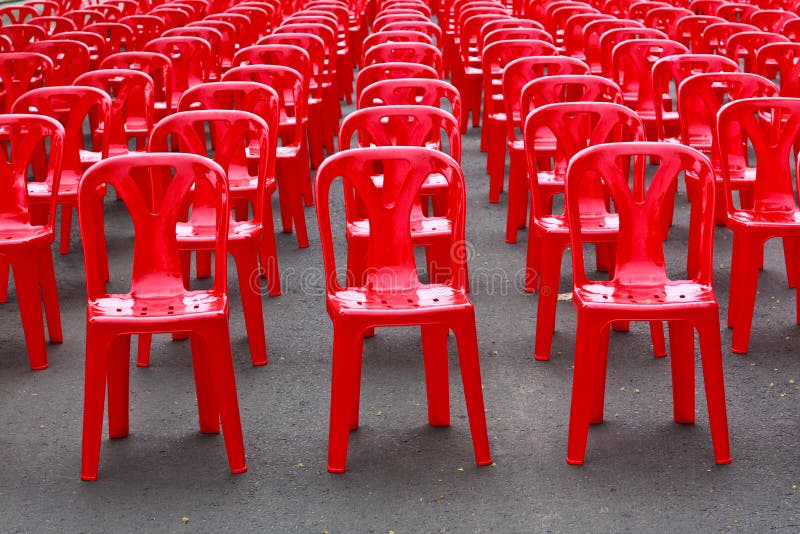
516,75
780,62
574,30
592,52
560,16
28,225
110,12
173,17
231,134
706,7
700,98
771,20
157,66
689,31
573,125
666,19
770,126
513,34
610,39
396,36
743,47
72,106
17,14
411,91
791,29
46,8
631,69
22,35
399,299
264,102
132,106
214,40
641,288
191,61
736,12
383,20
126,7
53,25
118,37
94,42
668,73
391,71
157,301
20,72
421,53
715,36
83,17
145,28
245,35
293,170
640,9
404,125
259,19
70,58
428,28
229,39
324,109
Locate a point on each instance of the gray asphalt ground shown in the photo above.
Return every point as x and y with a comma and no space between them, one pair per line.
643,472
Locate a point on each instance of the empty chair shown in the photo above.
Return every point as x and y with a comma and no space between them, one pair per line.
715,36
17,14
53,25
157,300
191,61
770,126
117,36
20,72
689,31
420,53
145,28
412,91
94,41
610,39
28,226
157,66
594,30
770,20
393,293
72,106
641,288
780,62
390,71
70,58
742,47
22,35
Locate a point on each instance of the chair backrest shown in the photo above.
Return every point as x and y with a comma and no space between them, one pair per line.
156,189
288,85
21,72
173,17
396,36
145,28
390,253
72,106
421,53
411,91
401,125
689,31
743,47
523,70
70,58
640,250
666,19
568,88
632,65
84,17
16,14
95,42
132,99
715,36
771,127
231,133
313,68
592,33
700,98
53,25
513,34
771,20
191,60
706,7
23,138
638,10
610,39
573,126
781,61
390,71
245,34
427,27
286,55
735,11
574,30
791,29
117,36
22,35
157,66
228,33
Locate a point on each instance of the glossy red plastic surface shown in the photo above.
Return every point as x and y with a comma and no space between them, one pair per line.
610,39
145,28
52,25
117,36
70,58
780,62
27,228
742,47
640,289
22,35
594,30
771,126
689,31
715,36
393,294
157,301
391,71
157,66
21,72
771,20
411,91
191,61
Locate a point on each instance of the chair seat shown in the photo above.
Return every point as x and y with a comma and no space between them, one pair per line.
421,229
660,298
200,233
190,305
591,225
15,233
766,218
422,299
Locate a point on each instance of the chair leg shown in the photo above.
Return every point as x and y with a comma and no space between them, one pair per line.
119,359
343,383
207,409
434,349
93,403
681,342
600,356
358,351
221,367
657,336
246,258
550,275
743,286
469,362
791,255
713,378
143,350
583,382
203,267
268,255
532,260
66,226
517,214
4,266
29,299
47,280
